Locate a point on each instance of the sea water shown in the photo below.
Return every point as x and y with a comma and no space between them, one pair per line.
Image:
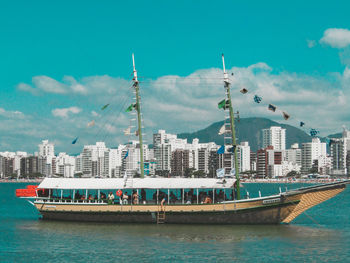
320,235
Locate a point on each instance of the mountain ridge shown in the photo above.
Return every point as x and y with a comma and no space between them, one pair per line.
248,129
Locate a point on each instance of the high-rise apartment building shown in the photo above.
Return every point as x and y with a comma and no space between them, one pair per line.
65,165
243,152
339,149
274,136
269,163
311,152
93,160
46,149
293,155
179,162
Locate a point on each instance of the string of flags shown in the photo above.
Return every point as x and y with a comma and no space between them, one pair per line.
223,104
258,99
91,123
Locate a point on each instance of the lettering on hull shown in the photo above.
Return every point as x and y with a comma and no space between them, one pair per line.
271,201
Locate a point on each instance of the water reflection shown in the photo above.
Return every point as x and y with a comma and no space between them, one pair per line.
184,233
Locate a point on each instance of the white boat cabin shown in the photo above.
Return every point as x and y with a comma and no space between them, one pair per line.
136,191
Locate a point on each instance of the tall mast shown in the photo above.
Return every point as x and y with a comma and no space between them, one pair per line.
138,109
232,126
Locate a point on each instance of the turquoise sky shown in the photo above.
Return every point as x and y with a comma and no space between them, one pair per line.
84,39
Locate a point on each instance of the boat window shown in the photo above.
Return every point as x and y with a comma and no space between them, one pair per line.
79,195
67,194
92,195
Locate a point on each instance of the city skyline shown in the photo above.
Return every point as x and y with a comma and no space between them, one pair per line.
173,156
56,80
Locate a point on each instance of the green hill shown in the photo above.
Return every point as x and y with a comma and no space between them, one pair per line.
247,129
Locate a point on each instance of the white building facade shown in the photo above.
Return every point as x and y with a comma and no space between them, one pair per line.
274,136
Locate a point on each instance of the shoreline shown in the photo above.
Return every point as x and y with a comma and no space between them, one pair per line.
292,181
21,180
268,181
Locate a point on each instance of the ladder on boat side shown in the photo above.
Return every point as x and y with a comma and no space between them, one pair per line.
161,215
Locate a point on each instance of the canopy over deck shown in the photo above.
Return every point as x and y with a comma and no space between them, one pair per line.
136,183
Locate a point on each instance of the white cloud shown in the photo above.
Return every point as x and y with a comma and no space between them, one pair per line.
95,114
49,85
74,85
180,104
11,114
63,112
27,88
110,128
105,85
336,37
311,43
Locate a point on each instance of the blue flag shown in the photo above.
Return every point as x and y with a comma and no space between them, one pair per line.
257,99
126,155
313,132
221,150
75,140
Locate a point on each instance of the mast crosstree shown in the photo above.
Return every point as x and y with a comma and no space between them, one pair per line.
230,127
138,110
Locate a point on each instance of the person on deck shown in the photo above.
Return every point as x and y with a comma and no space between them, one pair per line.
221,196
135,198
172,198
143,196
162,203
208,200
77,195
110,198
125,198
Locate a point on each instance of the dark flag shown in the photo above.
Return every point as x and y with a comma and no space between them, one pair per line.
232,149
244,91
75,140
272,107
105,106
285,115
302,124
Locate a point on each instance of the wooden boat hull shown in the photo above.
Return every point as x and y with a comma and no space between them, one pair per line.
260,215
284,207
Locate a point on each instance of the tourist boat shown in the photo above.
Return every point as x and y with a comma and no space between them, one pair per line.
198,200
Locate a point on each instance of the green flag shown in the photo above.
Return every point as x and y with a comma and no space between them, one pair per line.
221,104
105,106
130,108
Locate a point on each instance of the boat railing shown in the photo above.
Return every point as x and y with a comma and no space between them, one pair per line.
51,200
70,201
